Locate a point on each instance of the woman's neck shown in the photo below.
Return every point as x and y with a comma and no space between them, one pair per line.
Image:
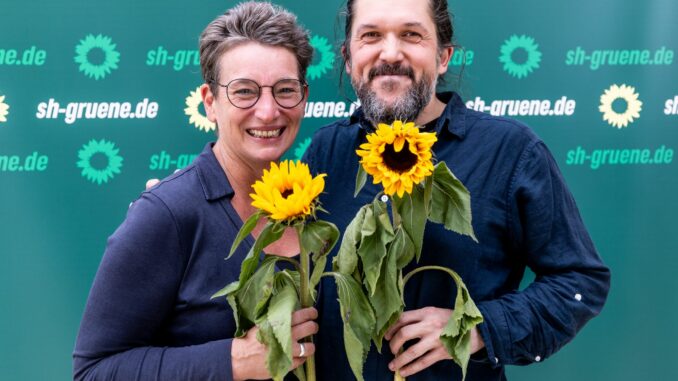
241,175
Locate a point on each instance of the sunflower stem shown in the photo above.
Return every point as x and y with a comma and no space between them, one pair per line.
306,298
397,220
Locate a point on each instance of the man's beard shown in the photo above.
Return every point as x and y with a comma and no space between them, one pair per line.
406,107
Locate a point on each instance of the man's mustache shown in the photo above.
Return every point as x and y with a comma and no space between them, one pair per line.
390,69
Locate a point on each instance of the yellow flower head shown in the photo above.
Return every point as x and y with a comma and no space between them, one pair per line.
398,156
287,192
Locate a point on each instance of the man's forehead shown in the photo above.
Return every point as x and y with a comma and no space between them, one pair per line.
406,24
406,13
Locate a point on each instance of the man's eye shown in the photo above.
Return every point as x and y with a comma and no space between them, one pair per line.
370,36
412,36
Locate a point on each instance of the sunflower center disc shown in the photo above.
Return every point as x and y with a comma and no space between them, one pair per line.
286,193
399,161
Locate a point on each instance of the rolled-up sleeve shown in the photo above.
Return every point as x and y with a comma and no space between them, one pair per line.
571,284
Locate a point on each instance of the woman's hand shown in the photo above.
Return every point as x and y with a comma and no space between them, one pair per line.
248,355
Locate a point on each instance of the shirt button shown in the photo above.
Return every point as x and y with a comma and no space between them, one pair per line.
578,297
537,359
496,360
384,198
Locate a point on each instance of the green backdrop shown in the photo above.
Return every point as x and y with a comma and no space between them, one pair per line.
96,97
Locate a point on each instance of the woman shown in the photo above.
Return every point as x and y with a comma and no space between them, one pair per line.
149,315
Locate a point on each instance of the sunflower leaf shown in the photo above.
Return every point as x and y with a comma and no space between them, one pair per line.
286,278
376,234
276,328
226,290
387,298
451,202
403,246
456,336
245,230
360,180
300,373
428,189
411,209
346,259
359,320
319,237
271,233
250,299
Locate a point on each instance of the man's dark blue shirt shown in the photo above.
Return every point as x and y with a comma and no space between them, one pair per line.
523,216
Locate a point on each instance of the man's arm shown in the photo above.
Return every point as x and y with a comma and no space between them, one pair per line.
570,288
571,283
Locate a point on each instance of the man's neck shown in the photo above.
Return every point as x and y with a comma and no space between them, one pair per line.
432,111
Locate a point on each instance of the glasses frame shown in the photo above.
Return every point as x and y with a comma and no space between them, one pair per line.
304,86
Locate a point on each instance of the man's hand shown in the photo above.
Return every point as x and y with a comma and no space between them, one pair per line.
426,325
248,355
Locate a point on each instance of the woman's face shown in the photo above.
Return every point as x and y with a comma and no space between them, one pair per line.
260,134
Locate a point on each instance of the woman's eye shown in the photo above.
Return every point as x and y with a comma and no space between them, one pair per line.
244,91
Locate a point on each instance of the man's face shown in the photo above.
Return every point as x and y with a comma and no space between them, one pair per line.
394,59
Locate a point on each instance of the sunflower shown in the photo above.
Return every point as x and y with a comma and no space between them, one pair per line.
287,192
398,156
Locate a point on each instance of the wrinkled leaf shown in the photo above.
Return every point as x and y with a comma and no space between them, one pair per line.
318,238
250,300
360,180
403,247
346,259
456,336
412,211
276,326
287,278
359,321
276,353
387,299
376,233
451,202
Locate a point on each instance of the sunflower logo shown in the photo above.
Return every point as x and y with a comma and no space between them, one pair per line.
105,45
629,96
320,44
301,148
398,156
96,175
529,46
287,193
197,119
4,109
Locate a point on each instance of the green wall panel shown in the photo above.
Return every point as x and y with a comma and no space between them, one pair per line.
67,179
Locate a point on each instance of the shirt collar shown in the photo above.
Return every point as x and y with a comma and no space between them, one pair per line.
214,182
453,118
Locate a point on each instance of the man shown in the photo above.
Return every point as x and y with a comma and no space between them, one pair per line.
523,213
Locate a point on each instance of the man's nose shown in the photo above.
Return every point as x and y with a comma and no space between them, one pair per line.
391,50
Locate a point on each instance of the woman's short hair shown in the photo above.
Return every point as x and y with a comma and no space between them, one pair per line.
252,21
